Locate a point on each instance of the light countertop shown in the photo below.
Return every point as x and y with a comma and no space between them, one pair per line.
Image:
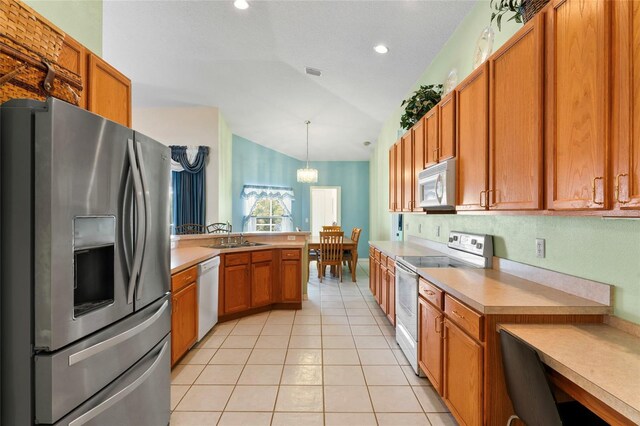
186,257
601,359
490,291
494,292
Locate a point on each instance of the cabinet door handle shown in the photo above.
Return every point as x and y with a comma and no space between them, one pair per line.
435,325
491,204
593,190
434,155
430,293
617,190
454,312
483,193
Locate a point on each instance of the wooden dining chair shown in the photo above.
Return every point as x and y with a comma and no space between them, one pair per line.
350,257
331,251
331,228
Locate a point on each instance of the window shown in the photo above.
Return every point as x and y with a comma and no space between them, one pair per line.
267,208
268,214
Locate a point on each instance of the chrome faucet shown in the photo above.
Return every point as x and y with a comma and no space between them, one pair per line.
228,233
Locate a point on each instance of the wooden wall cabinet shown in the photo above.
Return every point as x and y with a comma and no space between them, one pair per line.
108,91
577,99
431,136
447,128
73,56
626,106
417,162
472,125
430,346
392,178
407,172
184,312
399,177
516,121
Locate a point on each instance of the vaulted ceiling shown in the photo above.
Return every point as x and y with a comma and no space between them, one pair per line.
251,63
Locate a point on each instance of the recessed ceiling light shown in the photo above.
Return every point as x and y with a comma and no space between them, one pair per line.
381,48
366,143
241,4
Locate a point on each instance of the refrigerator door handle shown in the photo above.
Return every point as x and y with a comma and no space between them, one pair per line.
147,215
139,243
95,411
117,339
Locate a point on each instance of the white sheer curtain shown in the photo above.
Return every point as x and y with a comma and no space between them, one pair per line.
252,194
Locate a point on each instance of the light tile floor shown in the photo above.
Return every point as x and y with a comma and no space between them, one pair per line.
335,362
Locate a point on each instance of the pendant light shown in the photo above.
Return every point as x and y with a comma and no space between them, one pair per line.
307,175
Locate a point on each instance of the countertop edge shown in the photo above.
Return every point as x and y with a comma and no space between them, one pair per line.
217,252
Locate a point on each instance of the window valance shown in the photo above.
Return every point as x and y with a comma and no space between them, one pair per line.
188,159
258,192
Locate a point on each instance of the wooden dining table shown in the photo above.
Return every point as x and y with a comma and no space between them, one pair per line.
347,243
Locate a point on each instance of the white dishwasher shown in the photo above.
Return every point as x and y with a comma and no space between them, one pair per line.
207,295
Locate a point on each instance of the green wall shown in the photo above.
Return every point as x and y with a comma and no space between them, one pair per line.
225,138
604,250
81,19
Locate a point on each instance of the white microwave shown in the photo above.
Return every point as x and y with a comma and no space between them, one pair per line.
437,186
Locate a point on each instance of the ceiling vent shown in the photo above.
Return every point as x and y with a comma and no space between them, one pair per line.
313,71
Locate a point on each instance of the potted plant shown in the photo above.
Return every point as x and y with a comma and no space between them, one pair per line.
522,10
422,100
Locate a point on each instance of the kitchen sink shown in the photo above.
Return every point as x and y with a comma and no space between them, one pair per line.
236,245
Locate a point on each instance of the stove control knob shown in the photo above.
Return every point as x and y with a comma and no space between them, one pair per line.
455,238
479,246
450,239
473,242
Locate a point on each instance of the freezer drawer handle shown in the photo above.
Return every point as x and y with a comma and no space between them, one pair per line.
117,339
120,395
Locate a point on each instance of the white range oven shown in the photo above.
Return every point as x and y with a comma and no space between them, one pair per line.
464,251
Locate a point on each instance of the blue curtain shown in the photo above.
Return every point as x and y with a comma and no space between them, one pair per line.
189,186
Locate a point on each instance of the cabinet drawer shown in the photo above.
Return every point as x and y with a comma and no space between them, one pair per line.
183,278
377,254
391,264
236,259
383,260
469,320
431,293
261,256
291,254
372,251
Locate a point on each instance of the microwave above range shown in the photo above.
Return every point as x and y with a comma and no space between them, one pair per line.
437,186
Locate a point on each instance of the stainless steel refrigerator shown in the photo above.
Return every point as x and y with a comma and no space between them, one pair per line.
85,310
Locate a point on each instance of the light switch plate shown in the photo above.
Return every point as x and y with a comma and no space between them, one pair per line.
437,230
540,248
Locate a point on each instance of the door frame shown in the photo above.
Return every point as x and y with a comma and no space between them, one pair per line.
339,211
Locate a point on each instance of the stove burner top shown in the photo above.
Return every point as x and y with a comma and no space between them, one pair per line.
434,262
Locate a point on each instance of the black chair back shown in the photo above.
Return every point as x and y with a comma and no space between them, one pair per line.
527,383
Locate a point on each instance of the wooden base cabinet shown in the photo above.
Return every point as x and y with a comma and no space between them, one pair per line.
184,313
463,380
372,271
391,299
291,276
261,278
430,346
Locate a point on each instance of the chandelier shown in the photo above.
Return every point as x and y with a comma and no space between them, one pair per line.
307,175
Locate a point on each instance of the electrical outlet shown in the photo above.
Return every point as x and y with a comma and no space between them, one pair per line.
406,226
540,249
420,228
437,230
291,237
